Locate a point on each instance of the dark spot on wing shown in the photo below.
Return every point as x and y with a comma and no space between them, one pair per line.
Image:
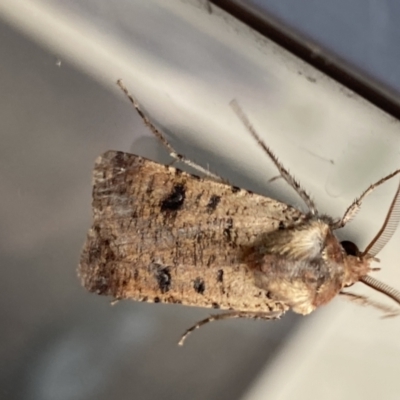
136,275
213,202
108,252
215,305
235,189
163,277
94,252
121,190
199,285
211,260
150,185
228,229
156,299
220,275
281,225
175,200
198,198
199,238
100,285
173,300
119,160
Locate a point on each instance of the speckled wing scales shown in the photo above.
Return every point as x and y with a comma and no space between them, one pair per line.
162,235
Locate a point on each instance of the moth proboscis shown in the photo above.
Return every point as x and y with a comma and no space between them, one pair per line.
162,235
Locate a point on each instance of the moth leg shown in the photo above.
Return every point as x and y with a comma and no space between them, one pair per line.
365,301
233,314
356,204
157,133
282,170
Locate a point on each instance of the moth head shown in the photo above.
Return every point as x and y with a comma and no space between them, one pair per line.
356,264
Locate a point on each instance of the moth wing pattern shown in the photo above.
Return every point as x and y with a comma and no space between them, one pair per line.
163,235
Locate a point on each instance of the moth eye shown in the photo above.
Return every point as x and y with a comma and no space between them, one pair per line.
350,248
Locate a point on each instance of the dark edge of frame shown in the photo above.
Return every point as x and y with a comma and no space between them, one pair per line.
314,54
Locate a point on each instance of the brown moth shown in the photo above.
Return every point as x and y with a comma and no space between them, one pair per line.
162,235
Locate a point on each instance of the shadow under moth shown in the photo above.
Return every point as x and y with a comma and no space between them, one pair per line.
162,235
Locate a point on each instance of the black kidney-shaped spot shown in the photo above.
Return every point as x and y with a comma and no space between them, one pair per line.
175,200
199,285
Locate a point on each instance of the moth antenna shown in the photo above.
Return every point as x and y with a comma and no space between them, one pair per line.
355,206
160,136
282,170
228,315
381,287
365,301
388,228
144,117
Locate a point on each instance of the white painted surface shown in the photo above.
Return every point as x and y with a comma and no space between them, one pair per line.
185,65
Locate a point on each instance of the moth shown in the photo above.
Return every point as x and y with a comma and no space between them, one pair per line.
163,235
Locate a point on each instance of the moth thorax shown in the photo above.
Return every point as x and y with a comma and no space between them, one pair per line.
332,251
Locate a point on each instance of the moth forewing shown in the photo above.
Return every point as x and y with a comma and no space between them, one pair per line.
162,235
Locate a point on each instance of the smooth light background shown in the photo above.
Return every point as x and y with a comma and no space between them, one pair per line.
60,109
